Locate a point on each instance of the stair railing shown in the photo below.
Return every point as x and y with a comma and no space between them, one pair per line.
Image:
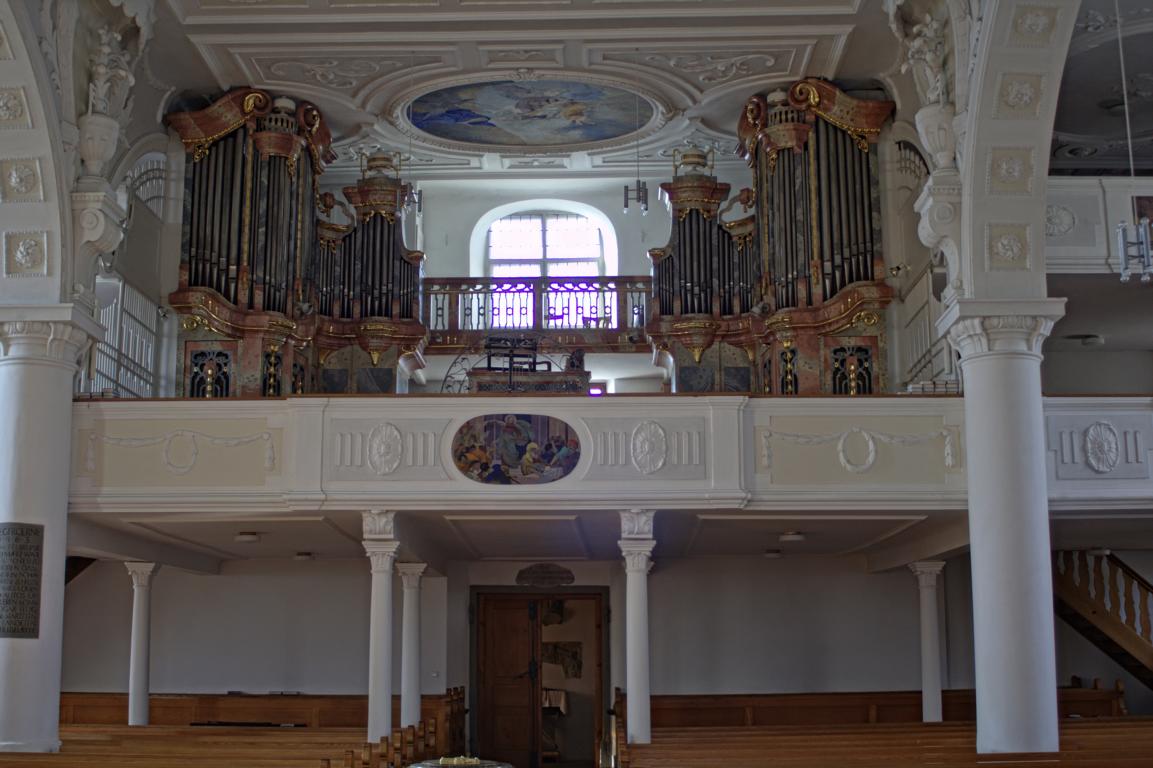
1111,592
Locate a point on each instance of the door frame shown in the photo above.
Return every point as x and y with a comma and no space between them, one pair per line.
601,705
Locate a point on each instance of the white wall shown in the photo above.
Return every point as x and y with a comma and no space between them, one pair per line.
452,209
1097,372
723,625
259,626
753,625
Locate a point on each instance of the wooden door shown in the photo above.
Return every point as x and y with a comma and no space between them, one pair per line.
508,684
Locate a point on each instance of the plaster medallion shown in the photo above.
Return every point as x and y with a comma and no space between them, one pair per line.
1059,220
1033,26
712,68
13,111
1102,447
1008,246
385,448
25,254
1019,96
515,449
20,181
650,447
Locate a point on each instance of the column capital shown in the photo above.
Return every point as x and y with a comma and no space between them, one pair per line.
927,572
381,554
410,574
378,524
637,523
637,554
980,327
50,333
142,573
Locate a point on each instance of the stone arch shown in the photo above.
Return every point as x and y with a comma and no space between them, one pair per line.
32,138
1018,62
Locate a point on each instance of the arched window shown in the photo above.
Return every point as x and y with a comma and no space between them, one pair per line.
545,244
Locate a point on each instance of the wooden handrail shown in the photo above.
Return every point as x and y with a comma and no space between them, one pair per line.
1089,585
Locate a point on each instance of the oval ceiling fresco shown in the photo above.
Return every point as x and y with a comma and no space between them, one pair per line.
532,113
515,449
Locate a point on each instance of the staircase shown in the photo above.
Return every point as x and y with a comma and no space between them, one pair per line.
1110,605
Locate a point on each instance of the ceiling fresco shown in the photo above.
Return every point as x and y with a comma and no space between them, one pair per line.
537,114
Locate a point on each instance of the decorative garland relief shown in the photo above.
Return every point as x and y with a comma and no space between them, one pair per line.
174,466
871,439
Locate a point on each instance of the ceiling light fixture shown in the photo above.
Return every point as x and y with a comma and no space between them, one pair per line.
773,554
640,193
1134,246
246,537
788,536
410,197
303,556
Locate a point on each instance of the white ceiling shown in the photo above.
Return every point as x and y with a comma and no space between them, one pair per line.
1089,132
1121,313
363,61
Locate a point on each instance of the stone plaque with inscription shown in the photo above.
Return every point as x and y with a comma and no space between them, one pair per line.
21,558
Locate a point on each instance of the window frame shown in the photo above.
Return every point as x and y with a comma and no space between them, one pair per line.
544,215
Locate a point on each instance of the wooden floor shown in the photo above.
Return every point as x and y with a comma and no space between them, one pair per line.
1098,743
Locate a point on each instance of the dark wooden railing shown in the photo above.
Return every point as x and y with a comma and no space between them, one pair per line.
593,311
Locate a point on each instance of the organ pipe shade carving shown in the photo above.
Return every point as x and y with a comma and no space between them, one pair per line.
817,192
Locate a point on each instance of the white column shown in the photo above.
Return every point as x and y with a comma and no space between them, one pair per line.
139,655
1013,636
381,549
410,574
38,357
637,546
927,572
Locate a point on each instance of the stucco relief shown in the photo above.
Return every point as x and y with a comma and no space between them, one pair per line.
1019,96
177,460
1102,447
1007,246
14,109
712,69
1010,171
338,74
650,447
1087,448
20,181
385,448
1033,26
1059,220
25,254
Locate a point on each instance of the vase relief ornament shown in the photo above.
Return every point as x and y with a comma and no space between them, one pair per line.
385,448
1102,447
650,447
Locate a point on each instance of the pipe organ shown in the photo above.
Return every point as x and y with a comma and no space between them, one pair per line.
791,300
275,296
705,283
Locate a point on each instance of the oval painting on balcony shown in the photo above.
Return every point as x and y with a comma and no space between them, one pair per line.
515,449
531,113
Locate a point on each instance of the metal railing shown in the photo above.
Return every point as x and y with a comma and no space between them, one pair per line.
454,305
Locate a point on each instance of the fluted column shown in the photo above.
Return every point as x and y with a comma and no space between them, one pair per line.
381,548
637,547
410,574
927,572
139,653
38,359
1013,637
